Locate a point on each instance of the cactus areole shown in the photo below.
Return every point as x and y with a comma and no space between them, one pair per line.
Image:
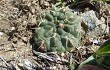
58,30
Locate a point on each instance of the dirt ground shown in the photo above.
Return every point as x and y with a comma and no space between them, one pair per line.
17,23
16,19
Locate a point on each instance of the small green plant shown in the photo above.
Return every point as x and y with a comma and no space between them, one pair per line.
101,57
58,30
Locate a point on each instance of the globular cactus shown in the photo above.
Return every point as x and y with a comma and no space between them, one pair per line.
58,30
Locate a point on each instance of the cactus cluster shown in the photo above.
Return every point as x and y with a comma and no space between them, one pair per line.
58,30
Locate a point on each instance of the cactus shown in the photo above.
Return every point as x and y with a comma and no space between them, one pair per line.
58,30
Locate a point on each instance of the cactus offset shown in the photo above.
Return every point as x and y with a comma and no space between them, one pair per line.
59,30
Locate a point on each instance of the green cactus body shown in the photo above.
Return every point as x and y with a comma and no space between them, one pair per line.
43,22
61,16
48,16
54,8
58,30
40,33
47,44
61,31
69,14
55,20
54,13
73,30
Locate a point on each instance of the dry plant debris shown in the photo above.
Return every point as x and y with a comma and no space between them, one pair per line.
18,20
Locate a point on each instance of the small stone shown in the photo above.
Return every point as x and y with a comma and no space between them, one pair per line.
12,28
90,19
95,41
26,63
62,54
25,22
1,33
33,10
91,39
103,26
84,53
20,64
46,4
102,20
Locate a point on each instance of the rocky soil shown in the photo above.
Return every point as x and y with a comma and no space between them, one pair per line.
18,20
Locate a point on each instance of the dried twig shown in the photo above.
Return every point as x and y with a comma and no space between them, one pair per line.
9,66
54,58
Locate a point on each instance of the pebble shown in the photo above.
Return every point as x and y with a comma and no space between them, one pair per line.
62,54
103,26
95,41
12,28
1,33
